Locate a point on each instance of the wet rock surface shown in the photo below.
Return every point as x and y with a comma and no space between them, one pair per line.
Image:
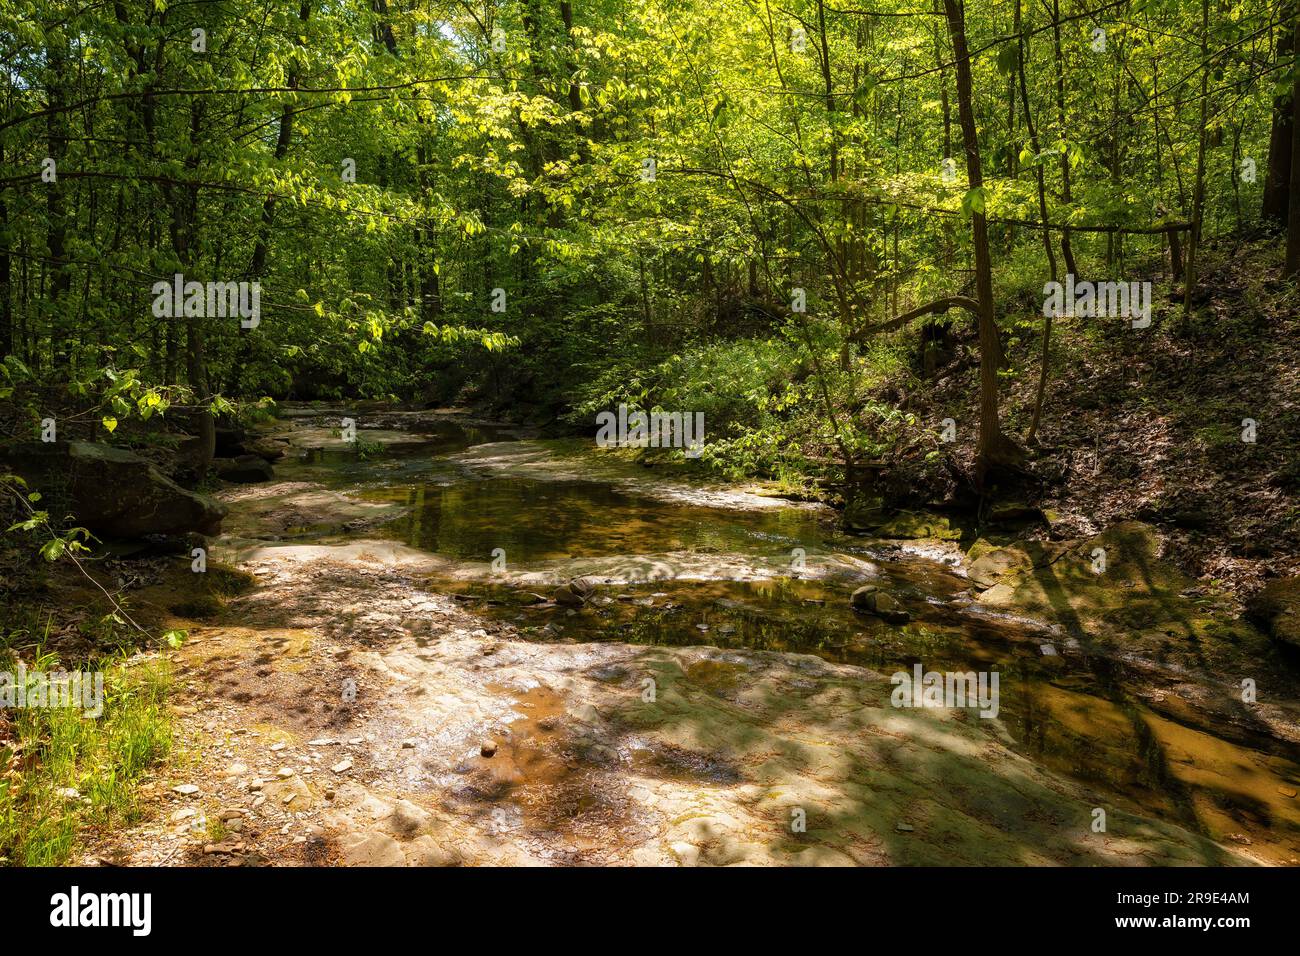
242,468
426,726
114,492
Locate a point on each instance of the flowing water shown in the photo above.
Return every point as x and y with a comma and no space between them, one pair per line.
679,568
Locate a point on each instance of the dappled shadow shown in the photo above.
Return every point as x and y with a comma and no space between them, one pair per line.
877,784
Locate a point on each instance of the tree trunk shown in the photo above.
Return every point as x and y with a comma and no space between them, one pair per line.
1023,54
1067,251
1293,215
995,450
184,229
1277,179
55,208
8,336
1198,190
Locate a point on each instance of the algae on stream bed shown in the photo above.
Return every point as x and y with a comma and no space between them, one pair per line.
721,596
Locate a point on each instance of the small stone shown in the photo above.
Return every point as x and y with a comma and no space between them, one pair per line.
489,748
563,595
284,773
256,785
1286,791
354,741
236,769
407,818
904,828
408,744
181,815
69,793
688,854
258,802
276,748
343,766
322,742
185,789
872,600
1048,650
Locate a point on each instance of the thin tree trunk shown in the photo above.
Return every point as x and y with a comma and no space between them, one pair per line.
1067,251
995,450
1277,179
1293,215
1023,54
1198,191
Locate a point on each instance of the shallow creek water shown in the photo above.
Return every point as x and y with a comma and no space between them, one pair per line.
680,570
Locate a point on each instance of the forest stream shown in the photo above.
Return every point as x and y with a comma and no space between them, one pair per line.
400,686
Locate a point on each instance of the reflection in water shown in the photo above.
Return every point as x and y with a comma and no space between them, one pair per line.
1070,711
536,520
1066,712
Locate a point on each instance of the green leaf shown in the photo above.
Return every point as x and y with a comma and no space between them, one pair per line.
974,201
862,95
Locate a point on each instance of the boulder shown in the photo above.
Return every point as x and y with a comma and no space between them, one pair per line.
564,595
1113,582
113,492
583,587
993,564
905,525
1276,608
872,600
864,514
244,469
576,593
864,594
190,461
229,441
272,449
